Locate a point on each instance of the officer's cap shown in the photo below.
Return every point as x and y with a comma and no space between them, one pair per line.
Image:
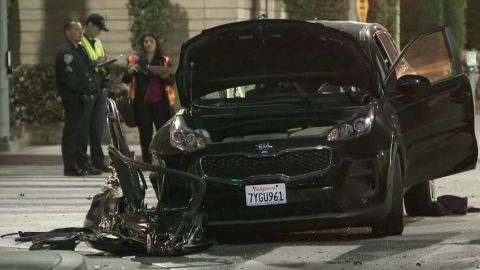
98,20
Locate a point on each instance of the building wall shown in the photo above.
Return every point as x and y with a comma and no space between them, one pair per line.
36,26
190,17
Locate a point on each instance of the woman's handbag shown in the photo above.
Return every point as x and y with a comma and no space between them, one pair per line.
126,109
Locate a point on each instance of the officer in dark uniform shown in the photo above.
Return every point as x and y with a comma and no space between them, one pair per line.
77,84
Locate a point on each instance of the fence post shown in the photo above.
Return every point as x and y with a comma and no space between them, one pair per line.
5,136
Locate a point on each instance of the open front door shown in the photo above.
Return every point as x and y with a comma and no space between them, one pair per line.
436,116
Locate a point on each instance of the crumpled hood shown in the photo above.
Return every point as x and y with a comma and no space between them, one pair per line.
260,50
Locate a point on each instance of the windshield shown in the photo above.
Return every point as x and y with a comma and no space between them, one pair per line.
276,92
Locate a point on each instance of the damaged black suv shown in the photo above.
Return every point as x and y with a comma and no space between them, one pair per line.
299,125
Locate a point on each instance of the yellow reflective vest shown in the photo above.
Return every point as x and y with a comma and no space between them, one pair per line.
94,52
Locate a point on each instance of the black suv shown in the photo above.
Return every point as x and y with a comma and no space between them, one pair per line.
301,125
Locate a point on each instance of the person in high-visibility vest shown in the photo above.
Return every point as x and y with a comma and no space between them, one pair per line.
150,74
94,25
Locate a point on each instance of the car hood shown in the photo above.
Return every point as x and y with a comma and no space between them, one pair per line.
261,50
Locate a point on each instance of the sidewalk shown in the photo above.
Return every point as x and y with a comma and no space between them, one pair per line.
44,155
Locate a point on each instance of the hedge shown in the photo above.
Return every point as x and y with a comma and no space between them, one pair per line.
149,16
454,17
384,12
33,95
322,10
34,98
472,12
423,15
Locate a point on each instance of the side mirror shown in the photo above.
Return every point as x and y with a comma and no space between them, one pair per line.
412,83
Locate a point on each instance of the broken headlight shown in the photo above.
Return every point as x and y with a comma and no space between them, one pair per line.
185,138
351,129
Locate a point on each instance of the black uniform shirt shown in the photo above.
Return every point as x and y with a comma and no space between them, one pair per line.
74,70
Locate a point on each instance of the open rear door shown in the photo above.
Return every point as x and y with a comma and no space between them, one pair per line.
437,120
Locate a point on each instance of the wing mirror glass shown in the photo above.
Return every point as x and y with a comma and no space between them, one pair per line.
412,83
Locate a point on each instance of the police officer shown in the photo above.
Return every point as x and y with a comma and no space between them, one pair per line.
94,25
77,84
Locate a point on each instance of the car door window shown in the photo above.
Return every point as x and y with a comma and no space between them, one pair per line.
389,45
387,62
387,51
428,56
381,67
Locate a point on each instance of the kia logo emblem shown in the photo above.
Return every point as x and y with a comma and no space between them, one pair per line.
263,147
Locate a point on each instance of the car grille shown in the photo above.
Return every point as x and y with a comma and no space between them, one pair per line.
291,164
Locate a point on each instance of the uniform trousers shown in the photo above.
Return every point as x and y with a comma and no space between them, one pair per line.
75,131
97,126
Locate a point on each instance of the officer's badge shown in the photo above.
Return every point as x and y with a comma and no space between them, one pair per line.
67,58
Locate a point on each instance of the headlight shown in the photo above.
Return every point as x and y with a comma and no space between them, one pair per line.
362,125
345,130
351,129
184,138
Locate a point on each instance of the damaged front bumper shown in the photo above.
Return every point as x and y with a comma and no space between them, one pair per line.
119,221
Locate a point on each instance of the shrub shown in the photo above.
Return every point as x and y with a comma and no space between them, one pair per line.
418,16
311,9
34,98
423,15
473,23
454,17
384,12
149,16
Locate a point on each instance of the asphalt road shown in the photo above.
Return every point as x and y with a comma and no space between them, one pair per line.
40,199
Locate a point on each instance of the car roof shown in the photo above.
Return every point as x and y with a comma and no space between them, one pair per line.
359,30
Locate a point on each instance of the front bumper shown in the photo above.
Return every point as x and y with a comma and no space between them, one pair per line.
351,193
354,190
356,218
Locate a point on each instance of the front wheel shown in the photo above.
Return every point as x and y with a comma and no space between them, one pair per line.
393,225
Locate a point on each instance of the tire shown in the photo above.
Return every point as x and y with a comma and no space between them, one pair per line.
419,200
393,224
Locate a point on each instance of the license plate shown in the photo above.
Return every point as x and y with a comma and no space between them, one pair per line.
269,194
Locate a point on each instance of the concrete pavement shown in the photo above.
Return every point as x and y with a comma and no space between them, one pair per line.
44,155
40,198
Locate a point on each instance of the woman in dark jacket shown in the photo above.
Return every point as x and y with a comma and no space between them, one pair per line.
149,73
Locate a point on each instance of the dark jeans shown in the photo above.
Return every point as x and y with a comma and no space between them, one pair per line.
75,132
153,114
97,126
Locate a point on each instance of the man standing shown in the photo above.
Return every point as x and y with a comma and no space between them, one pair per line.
94,25
77,85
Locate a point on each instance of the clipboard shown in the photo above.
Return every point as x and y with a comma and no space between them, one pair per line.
108,61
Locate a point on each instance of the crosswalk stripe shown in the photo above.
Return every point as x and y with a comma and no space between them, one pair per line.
39,191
